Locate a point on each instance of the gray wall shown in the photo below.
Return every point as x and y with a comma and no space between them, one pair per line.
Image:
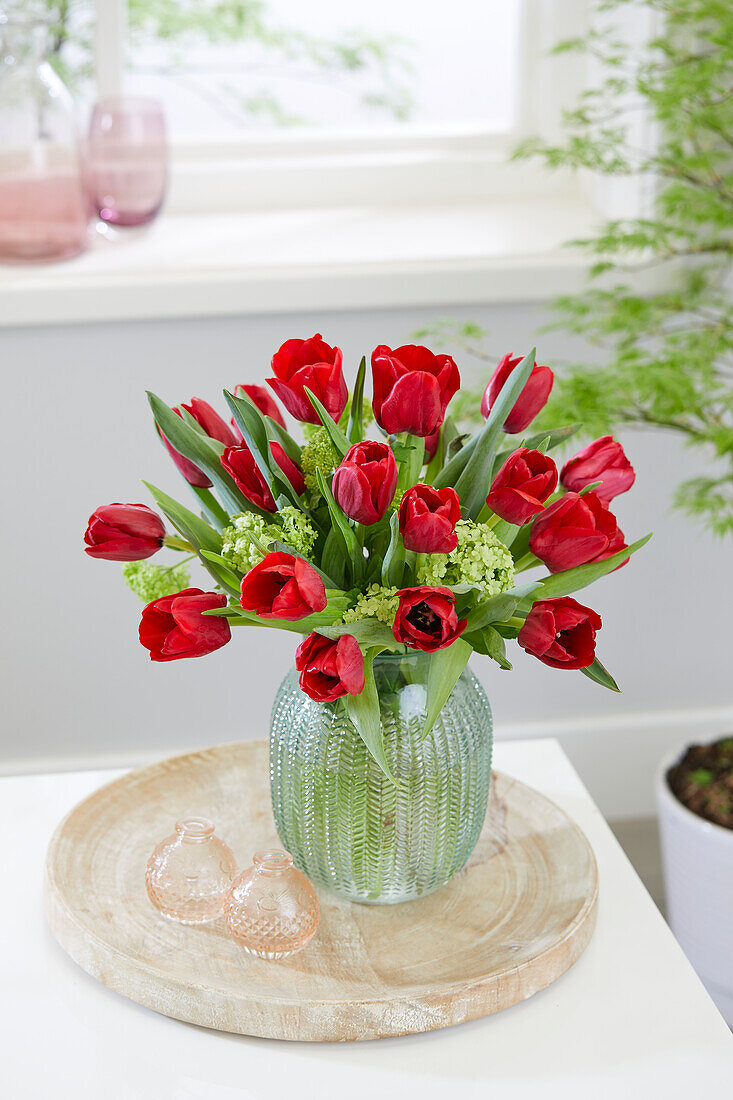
77,686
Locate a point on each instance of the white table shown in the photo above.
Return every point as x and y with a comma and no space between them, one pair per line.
630,1020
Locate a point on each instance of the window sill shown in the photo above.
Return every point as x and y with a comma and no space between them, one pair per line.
196,265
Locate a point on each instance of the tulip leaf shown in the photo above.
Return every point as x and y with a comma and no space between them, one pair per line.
237,616
456,465
393,565
203,452
473,484
335,434
222,569
368,632
333,558
355,425
572,580
204,539
494,610
490,642
446,666
354,552
191,526
280,435
211,507
600,675
364,712
252,425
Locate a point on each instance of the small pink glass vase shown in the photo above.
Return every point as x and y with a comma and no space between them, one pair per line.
127,160
44,211
189,873
272,910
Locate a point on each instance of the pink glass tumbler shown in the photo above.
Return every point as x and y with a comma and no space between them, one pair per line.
127,160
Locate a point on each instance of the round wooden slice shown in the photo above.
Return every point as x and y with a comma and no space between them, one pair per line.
515,919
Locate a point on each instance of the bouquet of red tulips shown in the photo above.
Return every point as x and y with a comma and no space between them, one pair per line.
411,541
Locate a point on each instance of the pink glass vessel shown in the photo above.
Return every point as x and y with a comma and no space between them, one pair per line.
189,873
44,210
127,160
272,910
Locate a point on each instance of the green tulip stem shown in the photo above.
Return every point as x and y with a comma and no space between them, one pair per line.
528,561
178,564
487,517
173,542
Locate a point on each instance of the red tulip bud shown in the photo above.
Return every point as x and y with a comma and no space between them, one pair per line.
330,668
531,400
412,388
561,633
426,618
175,626
428,519
282,586
603,460
313,364
523,484
123,532
575,530
365,482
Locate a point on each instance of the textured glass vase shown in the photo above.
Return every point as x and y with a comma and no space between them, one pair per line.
347,826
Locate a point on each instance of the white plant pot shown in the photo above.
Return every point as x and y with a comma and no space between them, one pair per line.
698,874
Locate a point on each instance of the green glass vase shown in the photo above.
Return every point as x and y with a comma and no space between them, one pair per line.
347,826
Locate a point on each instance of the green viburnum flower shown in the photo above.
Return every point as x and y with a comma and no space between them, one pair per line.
318,453
241,552
376,603
152,582
479,559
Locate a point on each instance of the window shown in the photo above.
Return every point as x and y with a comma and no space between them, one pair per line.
274,102
326,66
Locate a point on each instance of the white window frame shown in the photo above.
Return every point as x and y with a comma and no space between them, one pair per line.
456,164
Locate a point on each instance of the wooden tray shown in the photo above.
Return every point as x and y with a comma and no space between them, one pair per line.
515,919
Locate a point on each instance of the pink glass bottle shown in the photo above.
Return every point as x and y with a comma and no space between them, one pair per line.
44,211
128,160
272,910
189,873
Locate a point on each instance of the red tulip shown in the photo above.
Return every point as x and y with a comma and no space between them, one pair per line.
561,633
241,466
575,530
531,400
264,401
213,425
123,532
603,460
523,484
244,471
175,626
428,519
313,364
412,388
365,482
282,586
292,471
426,618
329,668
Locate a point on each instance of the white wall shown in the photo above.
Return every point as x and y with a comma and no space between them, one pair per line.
77,686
